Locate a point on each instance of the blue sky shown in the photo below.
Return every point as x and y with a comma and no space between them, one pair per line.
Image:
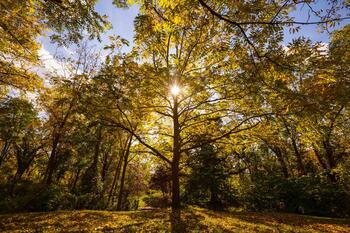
122,25
122,22
311,31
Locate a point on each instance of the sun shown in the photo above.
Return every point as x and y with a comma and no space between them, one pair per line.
175,90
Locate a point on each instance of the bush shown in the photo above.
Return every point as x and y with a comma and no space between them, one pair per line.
307,194
89,201
30,196
208,183
157,200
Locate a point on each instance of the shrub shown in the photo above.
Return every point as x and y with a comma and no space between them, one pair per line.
157,200
307,194
29,196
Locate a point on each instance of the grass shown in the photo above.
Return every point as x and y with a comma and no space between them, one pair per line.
194,220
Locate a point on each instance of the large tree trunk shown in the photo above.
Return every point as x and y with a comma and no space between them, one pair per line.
125,164
91,179
175,200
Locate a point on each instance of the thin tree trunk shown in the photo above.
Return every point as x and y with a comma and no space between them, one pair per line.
125,164
282,162
298,155
76,179
115,179
329,150
278,152
24,156
53,156
319,158
106,163
14,182
329,154
301,167
331,161
51,166
4,151
97,149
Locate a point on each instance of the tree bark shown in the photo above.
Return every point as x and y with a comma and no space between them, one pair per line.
175,202
319,158
76,179
106,163
301,167
331,160
4,151
279,155
298,155
97,150
51,166
125,164
115,179
25,156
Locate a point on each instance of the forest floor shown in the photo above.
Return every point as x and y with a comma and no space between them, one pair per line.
194,220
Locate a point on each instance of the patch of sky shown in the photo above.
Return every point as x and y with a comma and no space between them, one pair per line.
122,21
313,31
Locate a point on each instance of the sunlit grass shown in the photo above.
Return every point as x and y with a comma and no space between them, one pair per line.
194,219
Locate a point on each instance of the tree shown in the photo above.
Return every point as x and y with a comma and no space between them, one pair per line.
21,22
26,150
161,179
208,182
187,85
62,103
16,115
